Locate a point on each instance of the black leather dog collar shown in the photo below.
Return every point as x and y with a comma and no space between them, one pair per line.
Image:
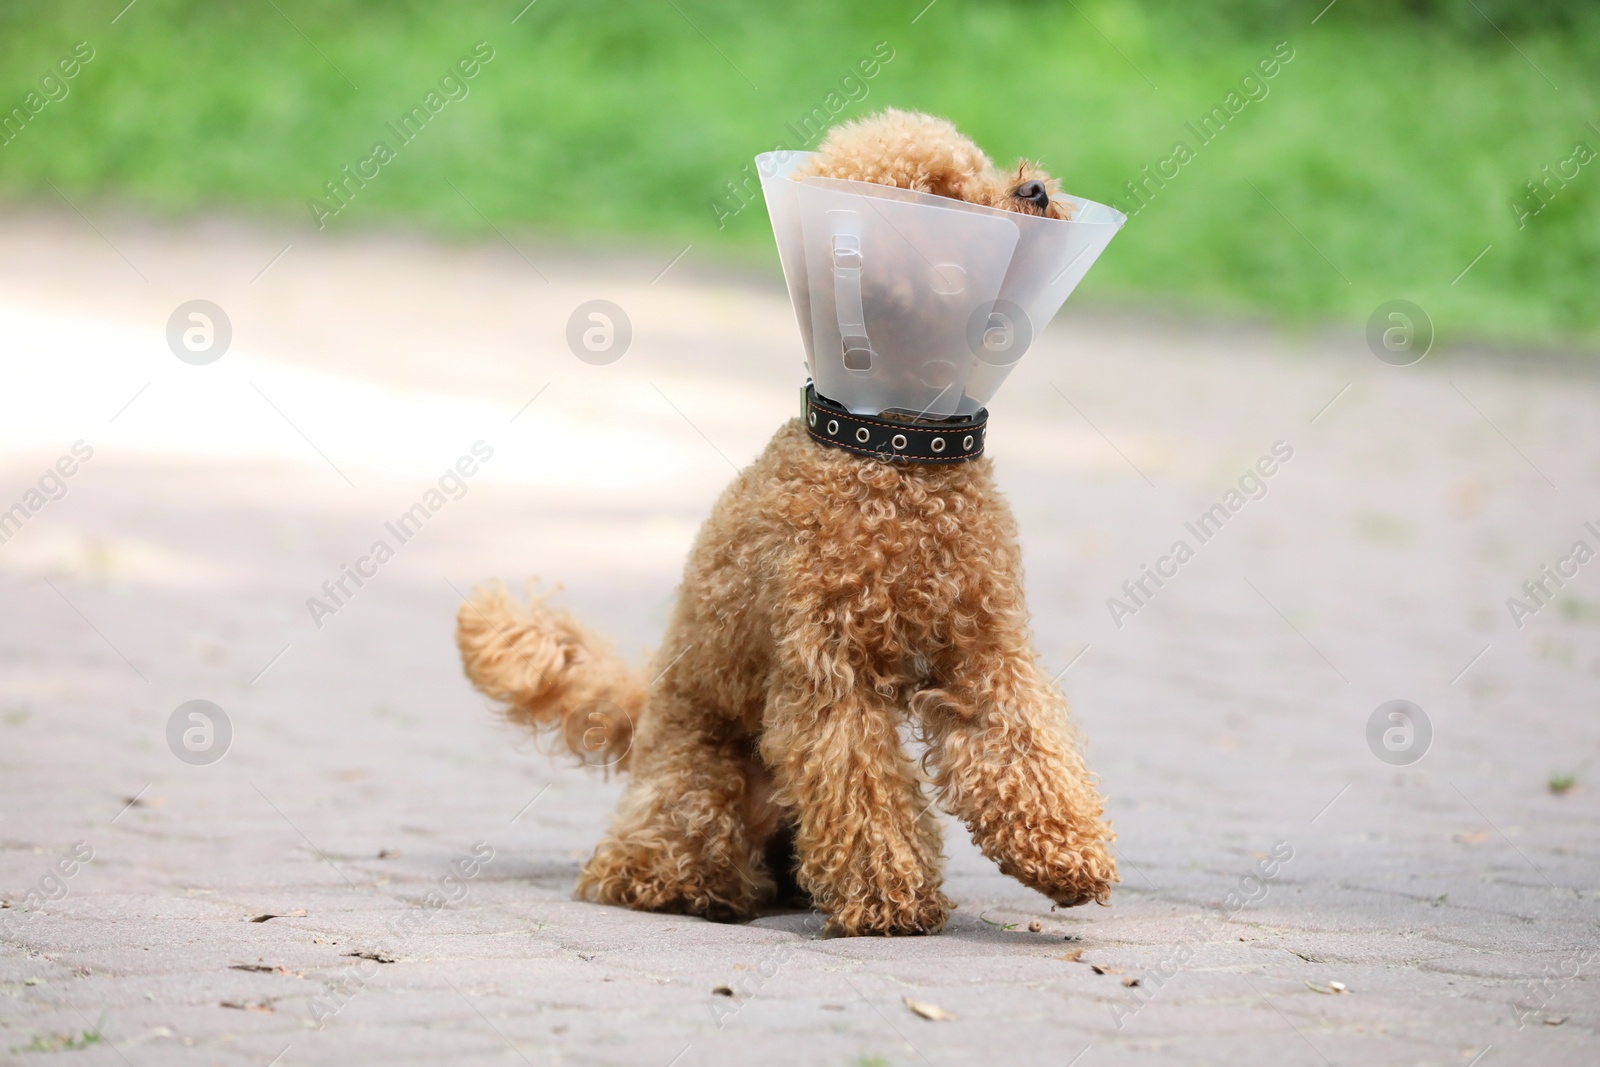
952,440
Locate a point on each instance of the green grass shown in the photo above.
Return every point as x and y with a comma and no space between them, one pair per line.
61,1042
1384,159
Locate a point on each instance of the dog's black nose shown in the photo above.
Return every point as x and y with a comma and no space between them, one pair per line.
1034,193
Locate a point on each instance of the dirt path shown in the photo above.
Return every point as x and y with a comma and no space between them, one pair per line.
1267,851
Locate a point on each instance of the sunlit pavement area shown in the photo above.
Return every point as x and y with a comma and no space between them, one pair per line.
1306,879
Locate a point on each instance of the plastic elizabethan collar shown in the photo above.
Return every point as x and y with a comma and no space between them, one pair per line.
919,303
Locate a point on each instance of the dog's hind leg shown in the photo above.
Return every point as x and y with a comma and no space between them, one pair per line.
1009,768
868,847
681,840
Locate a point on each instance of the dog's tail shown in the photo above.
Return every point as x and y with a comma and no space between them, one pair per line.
551,674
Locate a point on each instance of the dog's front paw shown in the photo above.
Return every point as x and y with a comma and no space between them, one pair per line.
1071,898
1069,877
867,916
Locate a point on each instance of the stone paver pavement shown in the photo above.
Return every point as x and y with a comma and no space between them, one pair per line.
419,857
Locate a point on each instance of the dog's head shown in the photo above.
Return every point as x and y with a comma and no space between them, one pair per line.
911,150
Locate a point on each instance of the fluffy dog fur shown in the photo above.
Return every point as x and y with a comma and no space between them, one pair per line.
829,601
915,151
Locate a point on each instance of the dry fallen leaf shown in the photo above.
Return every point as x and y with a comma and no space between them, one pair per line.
298,913
1103,970
260,968
388,853
265,1006
722,991
1071,957
375,957
1554,1020
1130,981
931,1012
741,966
1474,837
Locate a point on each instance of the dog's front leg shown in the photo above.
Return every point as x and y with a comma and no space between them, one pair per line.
868,847
1009,769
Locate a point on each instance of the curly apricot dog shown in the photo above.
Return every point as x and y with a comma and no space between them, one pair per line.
829,600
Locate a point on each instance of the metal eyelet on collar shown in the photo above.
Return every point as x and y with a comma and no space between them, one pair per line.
900,438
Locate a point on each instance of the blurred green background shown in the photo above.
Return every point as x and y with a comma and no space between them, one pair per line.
1395,146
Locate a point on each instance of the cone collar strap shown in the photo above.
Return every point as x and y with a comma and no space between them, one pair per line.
951,440
915,302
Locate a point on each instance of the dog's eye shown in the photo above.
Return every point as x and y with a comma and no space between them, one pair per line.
1034,193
